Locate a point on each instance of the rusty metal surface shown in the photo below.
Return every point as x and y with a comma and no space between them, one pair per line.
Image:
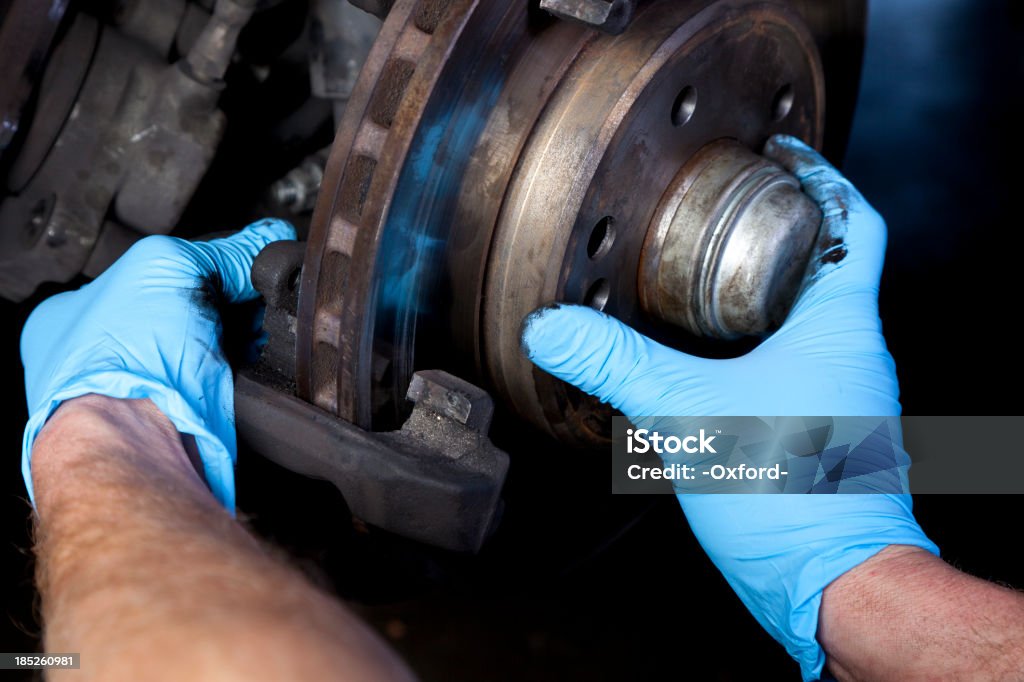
453,398
493,159
550,55
275,274
378,240
608,146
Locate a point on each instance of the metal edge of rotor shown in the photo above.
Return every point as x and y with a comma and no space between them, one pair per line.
333,297
311,294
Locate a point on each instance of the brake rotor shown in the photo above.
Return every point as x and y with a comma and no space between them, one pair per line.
492,160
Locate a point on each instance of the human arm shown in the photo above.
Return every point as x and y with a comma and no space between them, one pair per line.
141,568
145,574
778,552
905,614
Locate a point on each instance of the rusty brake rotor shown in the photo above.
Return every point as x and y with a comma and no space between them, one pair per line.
493,159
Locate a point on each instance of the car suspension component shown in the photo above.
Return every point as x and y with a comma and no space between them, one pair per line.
493,159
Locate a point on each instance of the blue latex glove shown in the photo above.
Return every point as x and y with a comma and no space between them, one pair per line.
148,328
778,552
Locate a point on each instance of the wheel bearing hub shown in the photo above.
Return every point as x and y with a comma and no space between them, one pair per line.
493,160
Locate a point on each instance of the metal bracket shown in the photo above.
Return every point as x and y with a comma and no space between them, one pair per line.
437,480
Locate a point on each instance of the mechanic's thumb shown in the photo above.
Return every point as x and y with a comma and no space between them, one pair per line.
227,262
602,356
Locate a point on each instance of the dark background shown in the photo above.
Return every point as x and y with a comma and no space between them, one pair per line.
936,148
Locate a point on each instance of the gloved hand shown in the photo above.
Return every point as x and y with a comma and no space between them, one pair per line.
778,552
149,328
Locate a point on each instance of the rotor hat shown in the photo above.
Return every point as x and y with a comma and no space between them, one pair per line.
728,247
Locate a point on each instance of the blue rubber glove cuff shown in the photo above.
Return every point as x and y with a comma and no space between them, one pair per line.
779,573
778,553
148,328
784,593
218,453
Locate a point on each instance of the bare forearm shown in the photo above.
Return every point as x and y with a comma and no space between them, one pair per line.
143,572
907,615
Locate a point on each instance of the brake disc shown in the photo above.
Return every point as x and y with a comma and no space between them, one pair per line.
493,159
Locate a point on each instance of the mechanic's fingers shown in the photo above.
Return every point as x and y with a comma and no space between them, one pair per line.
602,356
820,179
839,200
227,262
851,248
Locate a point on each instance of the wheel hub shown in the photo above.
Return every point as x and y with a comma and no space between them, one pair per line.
493,160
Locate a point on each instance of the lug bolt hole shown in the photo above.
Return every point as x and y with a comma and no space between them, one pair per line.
782,104
684,106
601,238
598,294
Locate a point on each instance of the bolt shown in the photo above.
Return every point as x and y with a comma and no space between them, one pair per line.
297,191
287,193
